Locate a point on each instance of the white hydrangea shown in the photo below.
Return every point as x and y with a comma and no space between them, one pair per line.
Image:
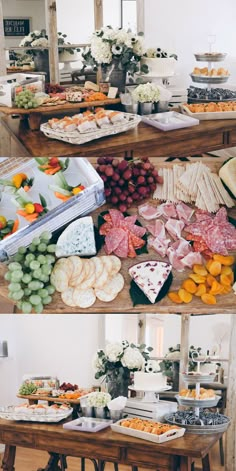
101,50
147,92
41,42
138,48
151,52
25,40
113,351
132,359
37,33
108,33
98,363
98,399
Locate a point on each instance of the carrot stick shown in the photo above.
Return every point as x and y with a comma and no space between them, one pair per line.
44,166
27,188
21,212
31,217
61,197
15,225
53,170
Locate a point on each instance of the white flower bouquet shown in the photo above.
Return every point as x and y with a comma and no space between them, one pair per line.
98,399
37,39
146,93
153,53
109,45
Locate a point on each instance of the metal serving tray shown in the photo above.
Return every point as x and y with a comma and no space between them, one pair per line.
190,402
59,214
201,429
209,80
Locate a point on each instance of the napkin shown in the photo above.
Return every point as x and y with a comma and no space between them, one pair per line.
118,403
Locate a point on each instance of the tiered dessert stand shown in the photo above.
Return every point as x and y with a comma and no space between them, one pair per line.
197,420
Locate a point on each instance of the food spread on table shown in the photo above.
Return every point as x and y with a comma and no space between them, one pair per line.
221,71
211,107
127,251
193,394
88,121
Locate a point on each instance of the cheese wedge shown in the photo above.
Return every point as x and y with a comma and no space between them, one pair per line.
150,276
227,173
77,239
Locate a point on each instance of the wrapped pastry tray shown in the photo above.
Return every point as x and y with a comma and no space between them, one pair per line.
79,171
208,115
170,120
76,137
165,437
190,402
8,413
206,79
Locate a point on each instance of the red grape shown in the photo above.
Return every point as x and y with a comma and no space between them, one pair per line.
109,171
150,179
142,190
112,183
107,191
131,188
135,196
104,178
115,162
114,199
159,179
122,207
121,182
146,166
129,200
117,190
127,174
144,158
140,180
122,197
122,165
142,172
153,186
115,176
101,160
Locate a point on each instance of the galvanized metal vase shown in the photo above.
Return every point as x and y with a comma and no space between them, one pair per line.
145,108
118,381
115,74
41,63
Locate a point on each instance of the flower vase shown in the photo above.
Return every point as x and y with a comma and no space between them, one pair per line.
41,63
118,381
115,74
146,108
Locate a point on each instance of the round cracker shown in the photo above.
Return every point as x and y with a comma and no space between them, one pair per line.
90,280
101,281
98,266
67,297
65,264
59,279
106,260
78,279
84,298
104,296
77,265
114,284
116,264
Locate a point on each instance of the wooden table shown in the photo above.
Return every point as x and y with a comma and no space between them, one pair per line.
143,140
35,115
105,446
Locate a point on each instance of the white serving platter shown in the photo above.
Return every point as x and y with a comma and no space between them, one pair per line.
87,424
169,120
8,413
208,115
165,437
77,138
60,213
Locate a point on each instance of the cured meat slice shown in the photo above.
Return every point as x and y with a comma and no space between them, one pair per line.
148,211
167,210
192,258
116,217
184,212
131,250
105,228
159,245
175,261
201,215
107,217
182,247
139,231
114,239
215,240
221,216
157,228
137,242
174,227
123,248
129,222
200,246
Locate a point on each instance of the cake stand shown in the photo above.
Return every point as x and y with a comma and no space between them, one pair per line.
149,394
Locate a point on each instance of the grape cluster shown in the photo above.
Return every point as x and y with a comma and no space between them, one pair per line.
127,181
27,388
29,275
26,99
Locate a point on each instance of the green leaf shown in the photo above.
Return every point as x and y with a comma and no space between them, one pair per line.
140,33
149,349
41,160
43,201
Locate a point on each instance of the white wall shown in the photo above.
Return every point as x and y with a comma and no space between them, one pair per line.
34,9
183,27
76,19
112,13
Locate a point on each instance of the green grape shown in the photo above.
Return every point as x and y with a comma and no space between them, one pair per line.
27,278
45,236
38,308
7,276
36,241
26,307
26,107
46,269
35,285
50,258
42,259
35,299
22,250
47,300
30,104
19,305
34,265
51,248
10,295
14,266
42,247
50,289
32,248
26,264
37,273
14,286
44,278
29,257
18,257
17,295
27,291
43,292
17,276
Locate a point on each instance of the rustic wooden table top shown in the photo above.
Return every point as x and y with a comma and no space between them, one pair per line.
123,303
34,398
143,140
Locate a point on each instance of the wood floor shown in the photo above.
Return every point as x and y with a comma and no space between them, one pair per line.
31,460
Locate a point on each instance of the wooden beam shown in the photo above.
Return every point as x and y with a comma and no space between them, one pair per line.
51,19
140,16
231,400
184,347
98,14
3,68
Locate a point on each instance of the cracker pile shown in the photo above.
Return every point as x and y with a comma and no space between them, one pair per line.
81,281
193,183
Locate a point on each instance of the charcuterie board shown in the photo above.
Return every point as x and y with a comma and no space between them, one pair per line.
123,303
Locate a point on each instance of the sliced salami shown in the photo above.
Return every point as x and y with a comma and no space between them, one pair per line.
137,242
131,250
114,239
123,249
105,228
116,217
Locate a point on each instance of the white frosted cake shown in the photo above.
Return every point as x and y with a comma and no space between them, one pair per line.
159,67
149,381
66,56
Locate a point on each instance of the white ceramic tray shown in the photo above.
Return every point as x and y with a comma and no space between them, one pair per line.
8,413
165,437
60,214
169,120
87,424
208,115
76,137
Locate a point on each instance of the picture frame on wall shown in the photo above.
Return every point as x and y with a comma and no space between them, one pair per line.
16,26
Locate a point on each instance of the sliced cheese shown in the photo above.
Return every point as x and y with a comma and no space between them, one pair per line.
227,173
77,239
150,276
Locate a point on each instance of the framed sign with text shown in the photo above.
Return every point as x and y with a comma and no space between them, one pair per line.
16,26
